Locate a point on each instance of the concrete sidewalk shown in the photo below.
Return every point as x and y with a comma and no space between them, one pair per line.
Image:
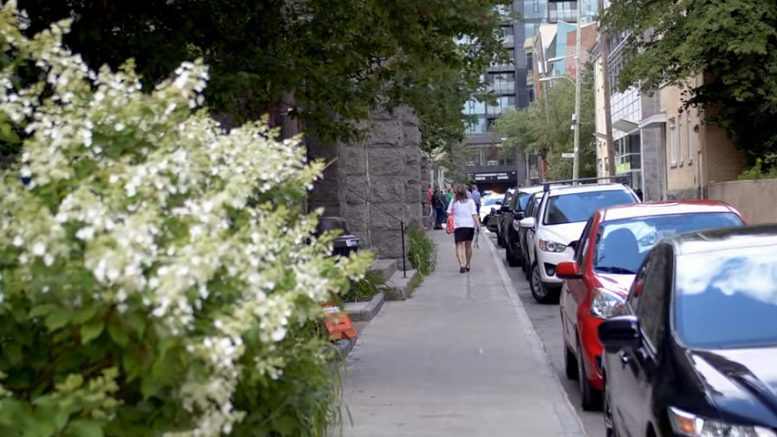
458,359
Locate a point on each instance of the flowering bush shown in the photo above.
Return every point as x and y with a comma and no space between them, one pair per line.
156,275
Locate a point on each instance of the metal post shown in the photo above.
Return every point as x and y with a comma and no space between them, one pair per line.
404,257
578,49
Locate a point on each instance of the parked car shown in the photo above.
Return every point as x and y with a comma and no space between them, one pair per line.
610,249
558,221
499,225
531,207
488,204
511,217
694,353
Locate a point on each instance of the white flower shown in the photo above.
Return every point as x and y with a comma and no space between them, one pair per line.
39,249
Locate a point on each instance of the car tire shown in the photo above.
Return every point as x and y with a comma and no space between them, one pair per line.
539,291
570,363
512,260
590,398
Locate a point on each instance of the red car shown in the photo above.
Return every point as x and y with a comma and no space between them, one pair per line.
611,248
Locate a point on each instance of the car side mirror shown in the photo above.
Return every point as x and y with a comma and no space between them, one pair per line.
568,270
527,223
620,332
519,215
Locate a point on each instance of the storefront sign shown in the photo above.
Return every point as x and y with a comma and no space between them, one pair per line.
495,177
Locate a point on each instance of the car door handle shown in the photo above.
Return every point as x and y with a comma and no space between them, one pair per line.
625,359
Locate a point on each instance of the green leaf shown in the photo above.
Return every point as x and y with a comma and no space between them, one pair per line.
117,333
91,330
57,319
84,428
42,310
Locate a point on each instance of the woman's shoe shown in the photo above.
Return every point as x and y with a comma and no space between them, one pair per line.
462,269
467,268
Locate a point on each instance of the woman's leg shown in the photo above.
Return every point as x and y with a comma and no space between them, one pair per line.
468,245
460,253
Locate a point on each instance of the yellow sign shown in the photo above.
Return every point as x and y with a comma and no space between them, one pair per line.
624,167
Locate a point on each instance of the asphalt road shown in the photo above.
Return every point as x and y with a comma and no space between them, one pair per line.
545,319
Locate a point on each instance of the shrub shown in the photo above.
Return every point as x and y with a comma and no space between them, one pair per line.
763,169
422,252
155,276
365,288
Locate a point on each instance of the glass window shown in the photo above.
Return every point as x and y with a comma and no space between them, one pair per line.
477,125
473,107
523,201
582,244
674,148
578,207
493,200
621,245
727,298
688,131
632,301
652,299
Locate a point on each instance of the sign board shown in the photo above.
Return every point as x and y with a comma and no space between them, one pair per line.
568,155
503,176
624,167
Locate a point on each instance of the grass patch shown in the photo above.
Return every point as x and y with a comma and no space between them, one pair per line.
364,289
414,283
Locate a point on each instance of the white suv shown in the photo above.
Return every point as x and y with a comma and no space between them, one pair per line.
557,224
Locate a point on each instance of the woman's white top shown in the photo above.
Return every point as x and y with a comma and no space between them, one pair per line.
462,213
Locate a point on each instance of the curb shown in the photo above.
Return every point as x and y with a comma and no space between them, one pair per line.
562,406
369,311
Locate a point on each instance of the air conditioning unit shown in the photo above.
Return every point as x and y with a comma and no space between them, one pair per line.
492,163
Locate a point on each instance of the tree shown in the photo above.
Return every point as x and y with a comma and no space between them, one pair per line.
157,276
732,43
327,63
544,128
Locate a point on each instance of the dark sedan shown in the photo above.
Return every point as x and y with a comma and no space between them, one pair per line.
695,351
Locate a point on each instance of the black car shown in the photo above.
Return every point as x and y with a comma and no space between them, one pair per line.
498,217
513,213
694,352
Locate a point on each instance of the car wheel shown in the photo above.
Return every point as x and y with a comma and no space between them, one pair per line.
570,363
609,423
539,291
512,260
590,398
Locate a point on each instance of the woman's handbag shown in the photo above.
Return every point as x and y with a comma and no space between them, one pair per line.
451,226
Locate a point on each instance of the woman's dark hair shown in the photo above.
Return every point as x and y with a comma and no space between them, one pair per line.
460,191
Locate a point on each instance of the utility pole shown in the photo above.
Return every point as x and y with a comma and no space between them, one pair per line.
578,49
604,48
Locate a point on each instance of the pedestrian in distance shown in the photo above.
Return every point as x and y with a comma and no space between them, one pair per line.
438,202
465,221
448,197
476,197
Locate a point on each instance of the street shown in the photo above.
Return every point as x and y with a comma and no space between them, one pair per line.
546,323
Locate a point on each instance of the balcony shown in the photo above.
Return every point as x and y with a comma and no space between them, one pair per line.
502,88
502,67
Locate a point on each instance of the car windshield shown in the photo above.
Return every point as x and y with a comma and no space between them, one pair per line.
493,200
727,299
578,207
621,245
523,201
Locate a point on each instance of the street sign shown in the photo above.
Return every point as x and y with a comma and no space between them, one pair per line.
568,155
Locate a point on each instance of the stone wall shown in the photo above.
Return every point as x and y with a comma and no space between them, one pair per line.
376,183
754,199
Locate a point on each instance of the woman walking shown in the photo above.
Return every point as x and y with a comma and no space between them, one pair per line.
465,221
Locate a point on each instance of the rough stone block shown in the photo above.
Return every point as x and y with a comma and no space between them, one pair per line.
412,135
387,243
355,189
386,161
385,132
387,216
387,190
351,160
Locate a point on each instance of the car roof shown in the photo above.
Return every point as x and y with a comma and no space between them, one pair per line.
618,212
530,190
725,239
585,188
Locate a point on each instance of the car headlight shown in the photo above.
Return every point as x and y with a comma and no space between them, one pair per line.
691,425
605,304
551,246
516,225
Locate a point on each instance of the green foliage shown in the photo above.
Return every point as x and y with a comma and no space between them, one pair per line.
422,252
544,128
764,168
732,43
155,275
365,288
325,62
